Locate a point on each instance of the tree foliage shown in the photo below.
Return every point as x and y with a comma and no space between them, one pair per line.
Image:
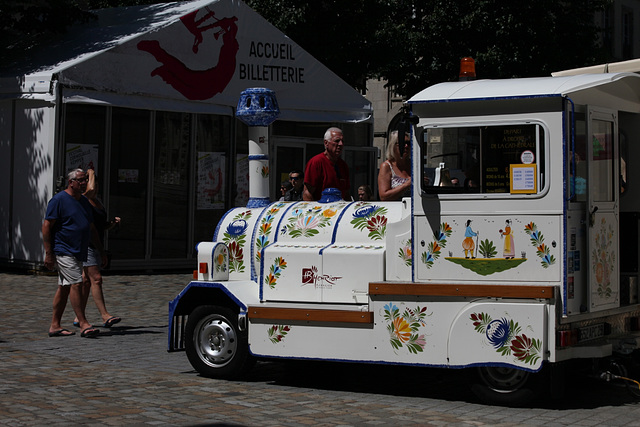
416,43
410,43
24,24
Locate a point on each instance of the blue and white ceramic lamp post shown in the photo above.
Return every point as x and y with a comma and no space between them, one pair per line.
258,108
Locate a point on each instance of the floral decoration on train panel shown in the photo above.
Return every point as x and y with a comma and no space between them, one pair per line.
305,222
276,269
235,238
404,329
372,218
604,259
266,228
435,247
221,261
277,333
537,241
506,337
404,253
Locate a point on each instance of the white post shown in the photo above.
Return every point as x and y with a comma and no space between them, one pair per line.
258,108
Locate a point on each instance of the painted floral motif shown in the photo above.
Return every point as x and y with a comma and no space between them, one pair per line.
234,237
404,329
265,171
434,248
405,253
277,333
505,336
306,222
279,264
372,218
537,241
487,249
265,228
604,259
221,261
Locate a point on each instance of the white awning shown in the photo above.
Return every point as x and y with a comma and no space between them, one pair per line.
630,66
187,56
620,90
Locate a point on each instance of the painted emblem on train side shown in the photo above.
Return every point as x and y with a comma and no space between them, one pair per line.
310,276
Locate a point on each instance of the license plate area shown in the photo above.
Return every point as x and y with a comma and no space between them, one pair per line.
592,332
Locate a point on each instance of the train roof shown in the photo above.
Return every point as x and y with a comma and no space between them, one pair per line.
619,89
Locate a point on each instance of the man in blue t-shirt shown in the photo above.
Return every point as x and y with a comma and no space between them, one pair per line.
66,232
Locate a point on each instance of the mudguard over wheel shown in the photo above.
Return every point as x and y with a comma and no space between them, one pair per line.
504,386
215,346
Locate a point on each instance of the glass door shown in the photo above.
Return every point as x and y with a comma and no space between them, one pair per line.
602,214
170,218
128,181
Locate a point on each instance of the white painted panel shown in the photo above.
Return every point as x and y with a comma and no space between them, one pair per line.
513,334
33,180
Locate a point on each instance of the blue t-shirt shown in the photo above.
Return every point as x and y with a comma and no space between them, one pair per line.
72,228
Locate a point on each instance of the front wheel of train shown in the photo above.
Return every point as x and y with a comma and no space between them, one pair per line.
505,386
215,346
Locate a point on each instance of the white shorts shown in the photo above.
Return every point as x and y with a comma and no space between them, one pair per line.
93,258
69,270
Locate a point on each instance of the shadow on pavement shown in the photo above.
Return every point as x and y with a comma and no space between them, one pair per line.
582,391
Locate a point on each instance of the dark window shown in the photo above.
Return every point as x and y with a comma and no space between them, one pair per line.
481,159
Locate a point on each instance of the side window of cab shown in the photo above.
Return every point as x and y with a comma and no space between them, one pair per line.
483,159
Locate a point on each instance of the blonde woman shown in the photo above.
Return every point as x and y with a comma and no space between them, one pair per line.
394,178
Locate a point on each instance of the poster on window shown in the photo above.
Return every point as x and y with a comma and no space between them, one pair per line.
83,156
242,180
502,147
211,175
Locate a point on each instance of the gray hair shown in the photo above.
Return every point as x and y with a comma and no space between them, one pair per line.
73,174
327,134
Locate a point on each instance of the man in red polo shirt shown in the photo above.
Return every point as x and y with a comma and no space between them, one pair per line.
327,169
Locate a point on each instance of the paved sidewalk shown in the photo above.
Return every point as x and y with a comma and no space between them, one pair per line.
126,377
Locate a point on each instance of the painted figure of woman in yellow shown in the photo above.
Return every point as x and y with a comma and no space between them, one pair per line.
468,244
509,251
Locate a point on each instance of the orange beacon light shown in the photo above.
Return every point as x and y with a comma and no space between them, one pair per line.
467,69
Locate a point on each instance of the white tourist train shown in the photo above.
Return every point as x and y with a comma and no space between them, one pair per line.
516,254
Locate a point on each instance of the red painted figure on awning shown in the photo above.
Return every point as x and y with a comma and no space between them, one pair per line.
198,84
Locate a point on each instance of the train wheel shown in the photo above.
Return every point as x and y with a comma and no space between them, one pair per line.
215,346
504,386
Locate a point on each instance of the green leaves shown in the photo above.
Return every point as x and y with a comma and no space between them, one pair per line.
487,249
416,43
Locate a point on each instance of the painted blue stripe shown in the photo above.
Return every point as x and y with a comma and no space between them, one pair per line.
275,239
413,197
379,362
258,157
491,98
565,200
335,229
253,242
217,230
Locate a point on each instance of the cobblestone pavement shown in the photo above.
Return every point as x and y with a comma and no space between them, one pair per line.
126,377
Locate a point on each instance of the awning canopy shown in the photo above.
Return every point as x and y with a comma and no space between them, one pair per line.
630,66
620,90
194,56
